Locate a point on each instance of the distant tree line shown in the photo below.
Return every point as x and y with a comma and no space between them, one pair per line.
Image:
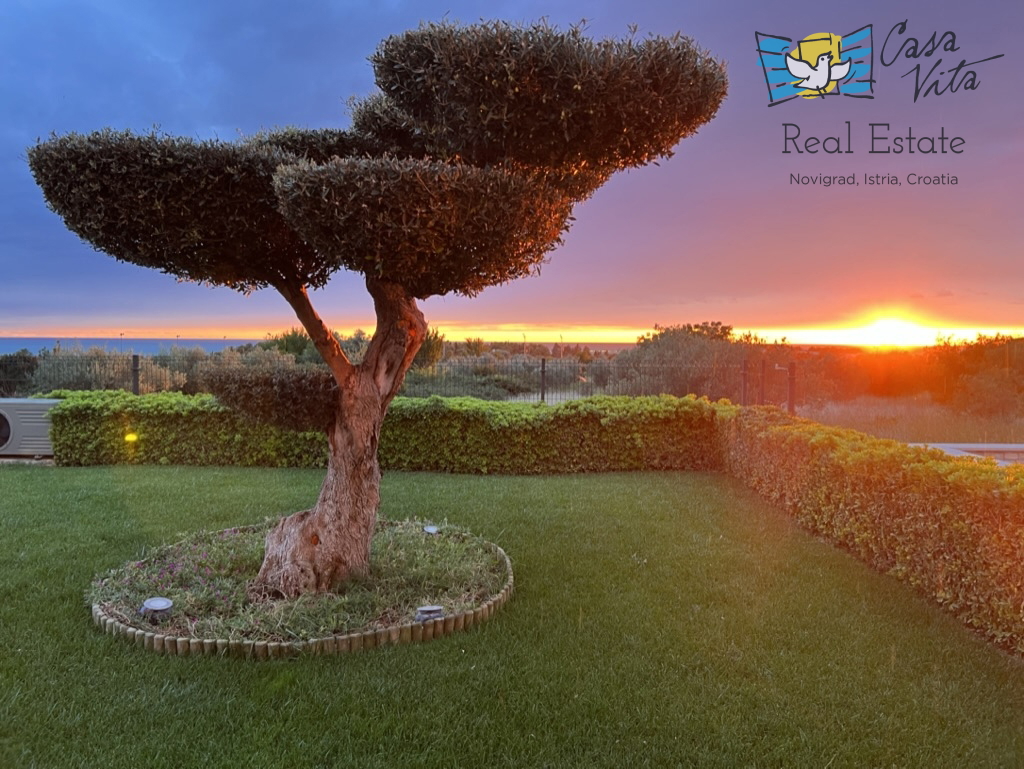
984,376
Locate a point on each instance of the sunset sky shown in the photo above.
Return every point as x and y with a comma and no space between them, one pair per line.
718,232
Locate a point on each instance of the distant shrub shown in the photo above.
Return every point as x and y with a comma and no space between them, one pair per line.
422,384
431,351
98,369
16,370
991,392
488,377
185,361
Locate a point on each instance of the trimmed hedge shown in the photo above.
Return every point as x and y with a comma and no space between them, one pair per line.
599,434
90,428
459,435
952,528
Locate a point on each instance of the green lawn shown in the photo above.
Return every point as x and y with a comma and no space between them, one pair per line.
659,620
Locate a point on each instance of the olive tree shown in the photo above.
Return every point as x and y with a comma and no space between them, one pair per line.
459,173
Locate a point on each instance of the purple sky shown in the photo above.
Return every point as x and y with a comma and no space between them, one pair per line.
718,232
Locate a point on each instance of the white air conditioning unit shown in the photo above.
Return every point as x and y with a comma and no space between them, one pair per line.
25,427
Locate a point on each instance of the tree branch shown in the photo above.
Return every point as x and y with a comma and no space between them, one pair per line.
400,332
324,341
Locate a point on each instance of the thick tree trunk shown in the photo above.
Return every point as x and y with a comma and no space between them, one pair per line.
320,549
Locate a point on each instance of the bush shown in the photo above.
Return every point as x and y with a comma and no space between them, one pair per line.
299,397
990,392
465,435
501,375
952,528
200,369
98,369
461,435
450,381
16,370
93,428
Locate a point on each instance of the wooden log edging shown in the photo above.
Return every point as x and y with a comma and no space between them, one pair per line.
406,632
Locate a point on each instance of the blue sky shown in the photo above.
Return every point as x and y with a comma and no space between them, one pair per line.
719,232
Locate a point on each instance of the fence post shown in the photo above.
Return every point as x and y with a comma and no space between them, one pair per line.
543,377
136,368
743,387
764,379
792,388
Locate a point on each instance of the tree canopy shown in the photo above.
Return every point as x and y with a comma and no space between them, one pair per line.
433,227
200,210
534,96
460,173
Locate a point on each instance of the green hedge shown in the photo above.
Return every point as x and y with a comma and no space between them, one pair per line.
952,528
90,428
465,435
461,435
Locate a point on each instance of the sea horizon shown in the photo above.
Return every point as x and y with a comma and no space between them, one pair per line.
126,345
154,346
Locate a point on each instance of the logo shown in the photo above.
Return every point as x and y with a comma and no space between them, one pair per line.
817,66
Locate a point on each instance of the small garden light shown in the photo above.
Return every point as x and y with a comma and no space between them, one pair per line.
427,613
156,608
430,529
131,437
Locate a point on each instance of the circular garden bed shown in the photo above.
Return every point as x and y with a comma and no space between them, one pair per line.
426,582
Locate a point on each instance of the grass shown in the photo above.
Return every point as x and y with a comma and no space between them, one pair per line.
659,620
916,419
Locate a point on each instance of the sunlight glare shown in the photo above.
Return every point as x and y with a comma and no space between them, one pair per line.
883,330
894,332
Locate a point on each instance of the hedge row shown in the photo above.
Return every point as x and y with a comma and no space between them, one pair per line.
464,435
459,435
115,427
952,528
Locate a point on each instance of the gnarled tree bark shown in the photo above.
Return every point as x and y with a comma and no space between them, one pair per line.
319,549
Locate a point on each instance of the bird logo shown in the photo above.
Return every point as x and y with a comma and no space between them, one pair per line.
818,76
818,65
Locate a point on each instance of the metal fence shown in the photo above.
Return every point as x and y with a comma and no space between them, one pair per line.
552,381
513,378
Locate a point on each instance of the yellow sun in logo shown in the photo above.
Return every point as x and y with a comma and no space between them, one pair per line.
810,48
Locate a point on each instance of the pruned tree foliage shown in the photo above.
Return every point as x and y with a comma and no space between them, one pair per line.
316,145
435,227
535,96
393,130
200,210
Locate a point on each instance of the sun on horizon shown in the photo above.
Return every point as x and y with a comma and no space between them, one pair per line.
885,330
879,330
